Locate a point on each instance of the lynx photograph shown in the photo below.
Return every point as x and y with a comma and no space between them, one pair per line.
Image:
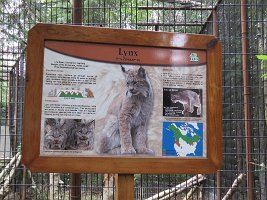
181,102
126,123
68,134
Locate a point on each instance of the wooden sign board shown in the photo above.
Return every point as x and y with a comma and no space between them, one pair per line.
122,101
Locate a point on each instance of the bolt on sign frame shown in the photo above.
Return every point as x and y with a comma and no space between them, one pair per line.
76,88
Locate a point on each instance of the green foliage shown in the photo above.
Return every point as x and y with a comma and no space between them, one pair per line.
3,95
114,13
16,22
263,58
3,100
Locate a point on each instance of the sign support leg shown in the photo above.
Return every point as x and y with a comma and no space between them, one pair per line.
124,186
75,177
75,186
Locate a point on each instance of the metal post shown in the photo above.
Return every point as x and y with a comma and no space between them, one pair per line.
77,16
215,30
247,113
15,133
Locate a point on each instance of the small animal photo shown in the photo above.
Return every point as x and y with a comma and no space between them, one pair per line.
69,134
181,102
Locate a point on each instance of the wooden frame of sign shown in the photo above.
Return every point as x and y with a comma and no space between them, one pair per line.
73,75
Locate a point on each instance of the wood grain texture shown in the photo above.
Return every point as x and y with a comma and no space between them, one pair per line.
119,36
214,104
33,97
124,186
120,164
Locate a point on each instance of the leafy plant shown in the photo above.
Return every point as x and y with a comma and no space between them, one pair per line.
3,93
3,99
264,59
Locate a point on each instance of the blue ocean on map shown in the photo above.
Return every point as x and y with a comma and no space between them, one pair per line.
182,139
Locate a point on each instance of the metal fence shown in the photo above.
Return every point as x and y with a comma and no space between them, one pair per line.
241,25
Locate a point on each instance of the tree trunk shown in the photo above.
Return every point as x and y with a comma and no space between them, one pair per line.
108,188
54,189
234,186
166,194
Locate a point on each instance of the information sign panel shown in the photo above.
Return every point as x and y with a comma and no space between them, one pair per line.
121,101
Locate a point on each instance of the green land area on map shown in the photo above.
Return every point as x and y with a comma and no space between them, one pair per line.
178,135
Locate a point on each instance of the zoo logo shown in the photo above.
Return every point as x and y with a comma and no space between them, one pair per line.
194,57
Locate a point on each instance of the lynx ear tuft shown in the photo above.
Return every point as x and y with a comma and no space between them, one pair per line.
92,124
123,69
141,72
48,128
62,121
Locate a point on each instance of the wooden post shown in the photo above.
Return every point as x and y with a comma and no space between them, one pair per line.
124,186
77,16
77,10
75,186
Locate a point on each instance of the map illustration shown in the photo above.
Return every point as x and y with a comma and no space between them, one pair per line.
182,139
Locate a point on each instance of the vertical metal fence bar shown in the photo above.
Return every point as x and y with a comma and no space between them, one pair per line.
247,112
215,30
15,134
